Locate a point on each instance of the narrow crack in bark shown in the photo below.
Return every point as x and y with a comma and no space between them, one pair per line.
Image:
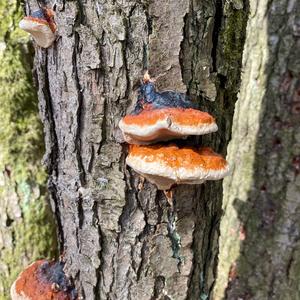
159,284
52,159
217,28
57,212
110,292
81,16
82,174
150,30
182,47
104,94
80,211
77,144
125,46
100,256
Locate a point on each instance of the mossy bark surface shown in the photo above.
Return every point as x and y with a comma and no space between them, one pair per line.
119,241
27,229
259,245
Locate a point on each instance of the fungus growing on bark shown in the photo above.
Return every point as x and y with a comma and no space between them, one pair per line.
43,280
41,26
164,116
163,124
166,165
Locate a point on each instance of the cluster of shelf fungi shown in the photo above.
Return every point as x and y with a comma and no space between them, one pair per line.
157,118
161,117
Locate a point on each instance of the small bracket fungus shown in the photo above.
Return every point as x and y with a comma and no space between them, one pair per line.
166,165
43,280
163,116
41,26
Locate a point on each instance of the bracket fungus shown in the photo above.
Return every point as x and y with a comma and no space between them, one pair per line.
165,124
167,165
41,26
163,116
43,280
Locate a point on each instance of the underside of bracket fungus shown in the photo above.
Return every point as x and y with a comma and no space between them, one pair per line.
163,116
43,280
41,26
167,165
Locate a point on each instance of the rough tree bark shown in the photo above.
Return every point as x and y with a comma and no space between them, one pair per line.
259,245
119,242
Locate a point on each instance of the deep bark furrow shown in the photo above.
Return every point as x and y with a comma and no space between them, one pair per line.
216,31
80,111
51,157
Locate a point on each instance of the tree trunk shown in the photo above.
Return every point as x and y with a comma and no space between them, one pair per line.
120,242
259,246
27,230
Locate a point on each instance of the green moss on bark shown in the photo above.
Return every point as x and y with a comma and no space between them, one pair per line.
232,39
26,226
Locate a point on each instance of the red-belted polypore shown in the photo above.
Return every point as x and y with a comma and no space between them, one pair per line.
41,26
163,116
43,280
167,165
150,126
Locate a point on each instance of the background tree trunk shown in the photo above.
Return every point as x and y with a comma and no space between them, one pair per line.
260,249
119,242
27,229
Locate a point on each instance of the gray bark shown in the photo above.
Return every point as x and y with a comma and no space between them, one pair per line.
259,245
120,242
